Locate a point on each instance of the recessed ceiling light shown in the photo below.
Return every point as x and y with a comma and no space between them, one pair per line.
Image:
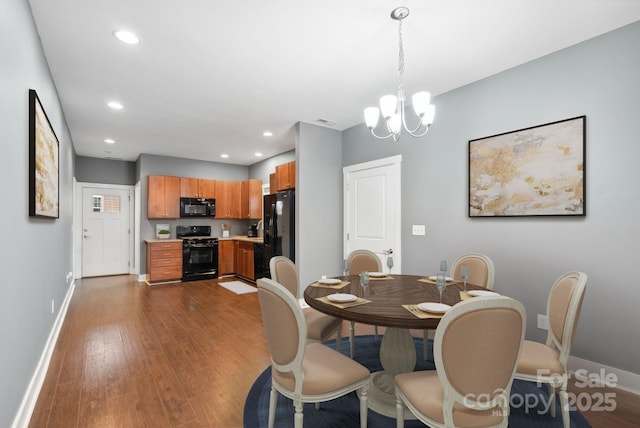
258,154
224,155
115,105
126,37
267,134
109,141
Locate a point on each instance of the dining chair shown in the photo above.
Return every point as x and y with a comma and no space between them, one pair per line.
476,350
481,272
304,372
547,362
359,261
481,269
319,326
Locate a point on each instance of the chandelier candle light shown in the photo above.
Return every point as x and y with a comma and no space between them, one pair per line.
392,106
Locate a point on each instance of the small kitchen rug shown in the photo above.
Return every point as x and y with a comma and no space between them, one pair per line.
238,287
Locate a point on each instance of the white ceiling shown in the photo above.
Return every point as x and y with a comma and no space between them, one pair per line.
208,77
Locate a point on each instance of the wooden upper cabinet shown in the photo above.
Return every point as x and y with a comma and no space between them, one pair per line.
234,195
197,188
273,183
228,199
222,205
285,176
163,196
251,199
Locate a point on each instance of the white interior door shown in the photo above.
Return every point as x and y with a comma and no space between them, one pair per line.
372,203
105,231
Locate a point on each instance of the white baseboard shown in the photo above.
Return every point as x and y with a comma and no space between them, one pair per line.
600,374
23,415
142,277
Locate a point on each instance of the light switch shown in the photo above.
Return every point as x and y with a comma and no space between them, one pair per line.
418,229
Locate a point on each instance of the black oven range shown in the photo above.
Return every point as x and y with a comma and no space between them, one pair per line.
199,253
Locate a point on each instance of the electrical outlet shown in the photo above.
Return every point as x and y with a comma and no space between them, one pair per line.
418,229
543,322
53,306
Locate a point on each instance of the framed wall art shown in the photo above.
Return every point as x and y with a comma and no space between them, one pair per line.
537,171
43,162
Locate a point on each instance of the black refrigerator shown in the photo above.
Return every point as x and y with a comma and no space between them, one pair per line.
279,223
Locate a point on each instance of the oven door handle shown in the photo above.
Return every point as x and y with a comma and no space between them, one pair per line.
202,246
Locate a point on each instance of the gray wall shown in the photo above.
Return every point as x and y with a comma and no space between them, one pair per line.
597,78
261,170
163,165
318,202
107,171
36,253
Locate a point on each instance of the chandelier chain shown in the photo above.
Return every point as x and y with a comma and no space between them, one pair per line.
400,55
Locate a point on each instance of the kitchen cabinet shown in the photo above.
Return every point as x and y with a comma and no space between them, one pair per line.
164,261
273,183
228,199
226,257
163,197
251,199
244,260
285,176
197,188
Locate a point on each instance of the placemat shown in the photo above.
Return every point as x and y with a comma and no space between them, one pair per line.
332,286
433,281
464,295
420,313
357,302
378,278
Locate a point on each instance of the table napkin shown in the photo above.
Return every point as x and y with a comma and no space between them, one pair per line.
332,286
420,313
464,295
433,281
357,302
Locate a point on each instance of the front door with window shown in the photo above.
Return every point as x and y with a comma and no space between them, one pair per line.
105,231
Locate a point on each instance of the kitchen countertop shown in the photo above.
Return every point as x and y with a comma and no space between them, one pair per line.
257,240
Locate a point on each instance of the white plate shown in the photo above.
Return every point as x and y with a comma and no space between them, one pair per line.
446,278
482,293
341,297
330,281
377,274
434,307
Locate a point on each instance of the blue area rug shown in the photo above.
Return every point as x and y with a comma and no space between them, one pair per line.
527,399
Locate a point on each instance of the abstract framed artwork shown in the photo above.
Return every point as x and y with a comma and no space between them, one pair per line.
43,162
536,171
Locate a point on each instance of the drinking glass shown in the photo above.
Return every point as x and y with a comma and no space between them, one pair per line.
364,279
441,284
389,263
443,267
464,274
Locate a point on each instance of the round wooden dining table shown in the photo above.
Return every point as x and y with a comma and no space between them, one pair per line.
385,298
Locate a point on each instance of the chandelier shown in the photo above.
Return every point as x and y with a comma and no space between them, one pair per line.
392,106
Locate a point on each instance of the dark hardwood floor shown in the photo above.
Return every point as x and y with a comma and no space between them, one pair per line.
182,355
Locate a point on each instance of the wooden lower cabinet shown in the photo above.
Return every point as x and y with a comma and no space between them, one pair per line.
244,260
226,257
164,261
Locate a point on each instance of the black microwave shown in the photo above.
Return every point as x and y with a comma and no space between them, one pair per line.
197,207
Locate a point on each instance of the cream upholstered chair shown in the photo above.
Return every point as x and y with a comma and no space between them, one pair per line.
359,261
319,326
481,272
476,351
547,362
304,372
